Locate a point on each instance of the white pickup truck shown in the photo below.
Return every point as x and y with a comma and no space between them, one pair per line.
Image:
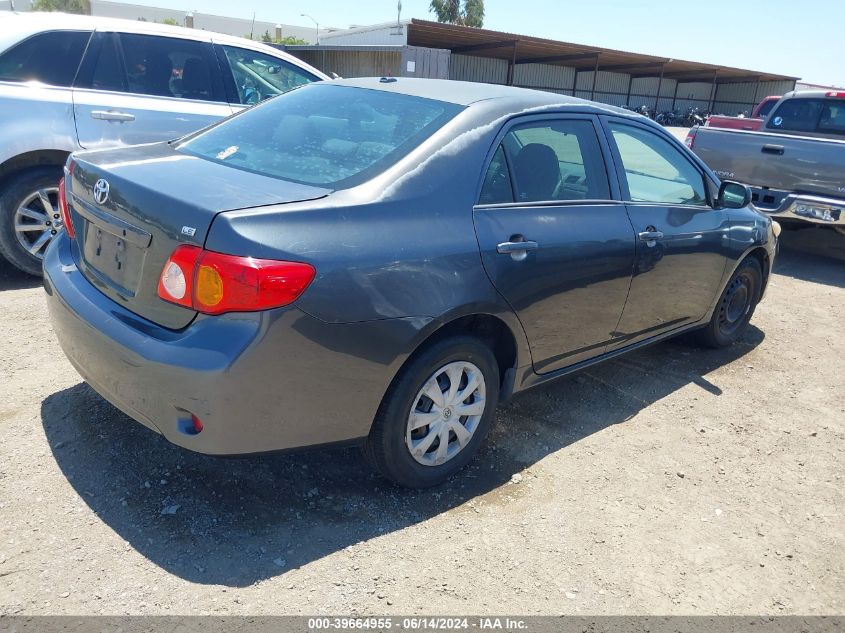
71,82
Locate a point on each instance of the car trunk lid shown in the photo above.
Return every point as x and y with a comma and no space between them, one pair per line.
156,199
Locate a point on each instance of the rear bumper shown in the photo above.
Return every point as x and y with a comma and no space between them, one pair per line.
820,210
259,382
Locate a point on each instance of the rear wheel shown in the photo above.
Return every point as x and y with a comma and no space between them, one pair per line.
29,217
435,414
736,306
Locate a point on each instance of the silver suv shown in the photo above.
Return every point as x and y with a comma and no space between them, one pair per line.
77,82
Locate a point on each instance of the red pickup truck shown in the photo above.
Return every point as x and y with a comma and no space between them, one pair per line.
754,122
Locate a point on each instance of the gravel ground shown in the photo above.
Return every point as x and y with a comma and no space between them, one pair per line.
673,481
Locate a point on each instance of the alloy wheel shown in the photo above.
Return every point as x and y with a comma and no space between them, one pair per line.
37,220
446,413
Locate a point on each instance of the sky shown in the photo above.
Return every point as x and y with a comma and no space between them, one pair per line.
797,38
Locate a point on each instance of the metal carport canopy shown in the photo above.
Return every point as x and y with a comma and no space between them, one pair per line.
523,49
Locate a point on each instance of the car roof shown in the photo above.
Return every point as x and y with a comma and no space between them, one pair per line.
20,25
466,92
811,94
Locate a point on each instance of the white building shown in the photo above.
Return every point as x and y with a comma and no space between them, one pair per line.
205,21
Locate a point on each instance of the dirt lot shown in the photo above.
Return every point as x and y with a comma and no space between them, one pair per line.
671,481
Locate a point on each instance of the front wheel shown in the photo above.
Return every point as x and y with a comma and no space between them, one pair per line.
435,414
736,306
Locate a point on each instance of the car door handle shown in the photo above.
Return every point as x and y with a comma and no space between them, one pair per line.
651,235
112,115
508,248
773,149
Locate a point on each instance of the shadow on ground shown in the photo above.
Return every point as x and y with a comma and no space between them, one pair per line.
13,279
814,254
238,521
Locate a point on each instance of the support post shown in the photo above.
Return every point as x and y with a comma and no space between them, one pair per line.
512,64
675,96
628,95
659,86
712,100
595,76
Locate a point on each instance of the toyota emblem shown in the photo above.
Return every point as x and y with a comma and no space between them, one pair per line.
101,191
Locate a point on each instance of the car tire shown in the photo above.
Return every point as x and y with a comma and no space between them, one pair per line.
20,187
736,306
392,437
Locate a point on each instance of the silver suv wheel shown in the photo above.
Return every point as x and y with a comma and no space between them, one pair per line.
446,413
37,220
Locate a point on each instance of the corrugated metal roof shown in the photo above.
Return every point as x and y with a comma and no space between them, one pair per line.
524,49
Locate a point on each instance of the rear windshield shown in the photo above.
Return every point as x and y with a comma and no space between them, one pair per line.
766,107
825,116
323,134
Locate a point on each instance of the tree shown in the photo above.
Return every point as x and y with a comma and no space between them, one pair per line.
170,21
290,40
462,12
266,38
65,6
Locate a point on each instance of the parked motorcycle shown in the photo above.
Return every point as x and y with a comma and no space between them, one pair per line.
669,117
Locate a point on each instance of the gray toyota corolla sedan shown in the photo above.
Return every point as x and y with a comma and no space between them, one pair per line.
381,261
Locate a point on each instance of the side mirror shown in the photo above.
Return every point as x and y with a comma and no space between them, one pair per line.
733,195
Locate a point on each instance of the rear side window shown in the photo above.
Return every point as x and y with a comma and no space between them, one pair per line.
655,170
108,71
556,160
497,187
258,76
158,66
50,58
323,134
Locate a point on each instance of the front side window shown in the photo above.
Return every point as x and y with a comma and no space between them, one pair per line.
655,170
50,58
323,134
258,76
166,67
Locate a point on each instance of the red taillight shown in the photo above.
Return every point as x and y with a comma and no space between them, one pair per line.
837,94
690,140
64,211
214,283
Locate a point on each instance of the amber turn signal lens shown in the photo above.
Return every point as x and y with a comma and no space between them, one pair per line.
208,290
